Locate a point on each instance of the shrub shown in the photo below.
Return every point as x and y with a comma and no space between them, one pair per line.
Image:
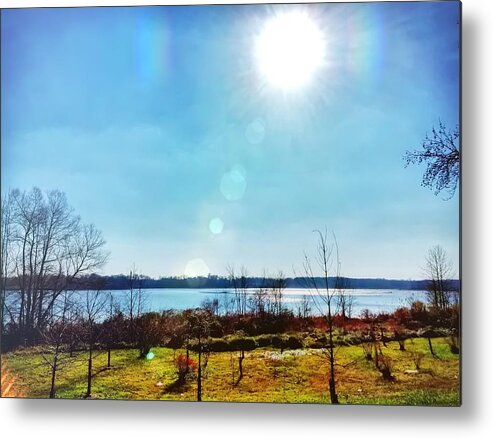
351,339
454,315
184,365
175,342
219,345
453,342
402,344
264,340
315,343
242,343
400,337
293,343
216,329
419,312
148,331
402,316
367,315
385,367
318,344
417,357
278,341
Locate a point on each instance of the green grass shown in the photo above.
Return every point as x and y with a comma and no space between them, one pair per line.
297,376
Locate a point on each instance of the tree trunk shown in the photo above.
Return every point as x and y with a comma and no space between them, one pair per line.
53,376
382,335
109,358
332,380
199,376
89,375
376,355
143,351
240,366
332,389
431,347
242,356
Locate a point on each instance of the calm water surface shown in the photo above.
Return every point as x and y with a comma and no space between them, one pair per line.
376,300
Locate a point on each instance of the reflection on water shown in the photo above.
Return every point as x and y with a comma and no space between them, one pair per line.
180,299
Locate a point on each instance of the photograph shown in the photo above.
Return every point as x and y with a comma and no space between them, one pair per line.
232,203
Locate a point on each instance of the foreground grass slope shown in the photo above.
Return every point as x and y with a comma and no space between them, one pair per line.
295,376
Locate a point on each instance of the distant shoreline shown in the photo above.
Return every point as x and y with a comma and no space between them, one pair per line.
123,282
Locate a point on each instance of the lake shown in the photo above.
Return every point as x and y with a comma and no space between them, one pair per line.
385,300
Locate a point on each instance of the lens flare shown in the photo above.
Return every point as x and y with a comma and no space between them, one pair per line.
233,184
216,225
255,132
150,355
197,268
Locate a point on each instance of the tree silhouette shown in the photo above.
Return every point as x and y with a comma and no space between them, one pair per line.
325,297
441,154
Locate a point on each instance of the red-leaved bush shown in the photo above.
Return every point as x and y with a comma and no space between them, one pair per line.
185,365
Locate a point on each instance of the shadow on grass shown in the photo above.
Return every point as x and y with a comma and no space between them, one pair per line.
107,368
70,385
178,386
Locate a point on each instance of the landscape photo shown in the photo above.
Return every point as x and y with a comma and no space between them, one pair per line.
232,203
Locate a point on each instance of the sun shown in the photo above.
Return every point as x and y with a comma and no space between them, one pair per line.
289,50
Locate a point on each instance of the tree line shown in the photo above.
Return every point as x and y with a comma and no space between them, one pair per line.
120,282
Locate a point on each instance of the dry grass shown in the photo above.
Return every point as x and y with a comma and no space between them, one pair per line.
297,376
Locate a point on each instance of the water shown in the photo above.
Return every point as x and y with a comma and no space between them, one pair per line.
383,300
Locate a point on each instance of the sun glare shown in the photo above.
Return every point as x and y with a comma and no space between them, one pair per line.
289,50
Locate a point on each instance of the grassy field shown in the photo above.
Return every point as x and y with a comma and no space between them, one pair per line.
296,376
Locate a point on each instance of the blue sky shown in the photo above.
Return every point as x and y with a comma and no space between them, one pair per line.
155,122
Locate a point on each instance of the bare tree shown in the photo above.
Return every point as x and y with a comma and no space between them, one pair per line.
136,303
227,303
134,298
278,284
110,329
54,337
48,248
324,296
345,300
211,305
6,254
113,327
440,153
304,309
92,312
259,301
240,283
199,324
438,271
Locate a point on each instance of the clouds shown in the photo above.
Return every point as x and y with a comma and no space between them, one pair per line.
142,115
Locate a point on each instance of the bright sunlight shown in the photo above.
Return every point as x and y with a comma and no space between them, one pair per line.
289,50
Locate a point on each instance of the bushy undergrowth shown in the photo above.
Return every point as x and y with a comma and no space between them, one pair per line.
281,331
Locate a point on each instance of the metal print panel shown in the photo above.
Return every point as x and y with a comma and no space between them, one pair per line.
238,203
